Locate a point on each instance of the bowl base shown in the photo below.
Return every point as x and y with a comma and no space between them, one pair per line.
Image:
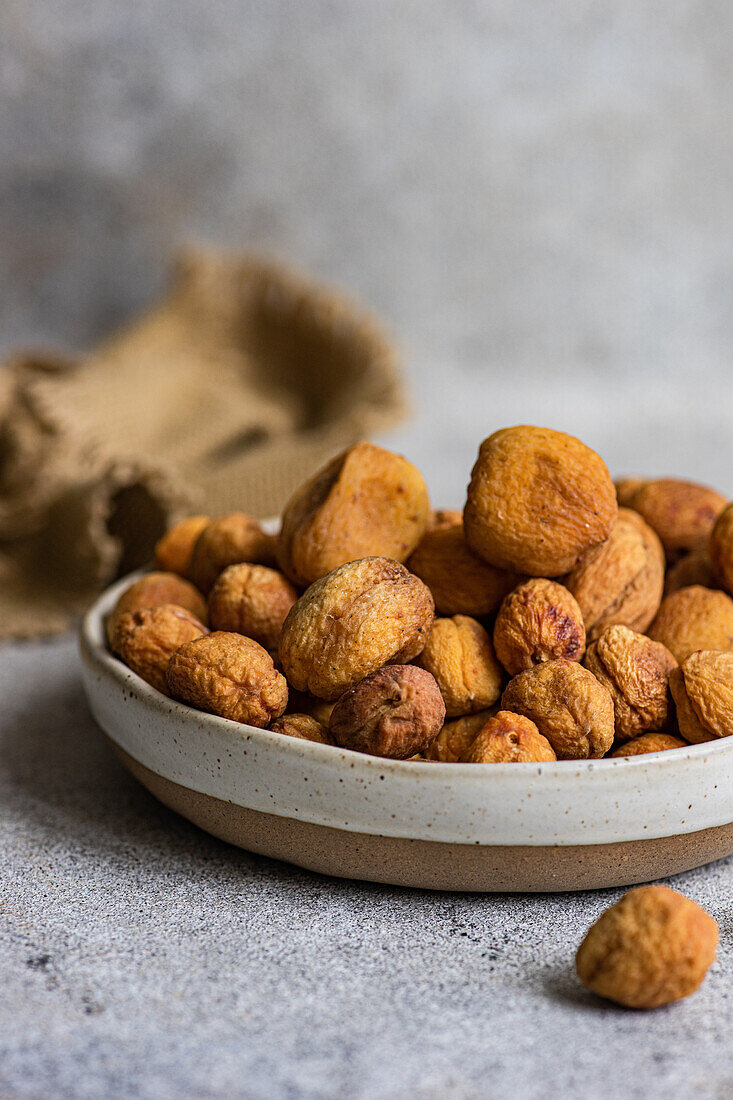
433,865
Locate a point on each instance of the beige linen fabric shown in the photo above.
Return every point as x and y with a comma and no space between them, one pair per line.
222,397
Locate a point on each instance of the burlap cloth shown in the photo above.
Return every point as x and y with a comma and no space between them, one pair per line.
224,396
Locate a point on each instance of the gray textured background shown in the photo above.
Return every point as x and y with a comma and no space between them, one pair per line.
537,197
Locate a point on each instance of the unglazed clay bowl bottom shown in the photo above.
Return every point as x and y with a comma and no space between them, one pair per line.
571,825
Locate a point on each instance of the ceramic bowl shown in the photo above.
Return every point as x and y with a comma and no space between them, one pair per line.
487,827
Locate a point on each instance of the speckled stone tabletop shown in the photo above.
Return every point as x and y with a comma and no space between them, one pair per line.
537,198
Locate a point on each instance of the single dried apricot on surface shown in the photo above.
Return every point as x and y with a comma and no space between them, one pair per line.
228,540
153,590
303,726
539,621
694,618
147,639
173,550
681,512
396,711
567,704
457,736
229,675
366,502
636,672
461,582
702,688
253,600
652,947
649,742
509,739
460,656
537,501
349,623
620,581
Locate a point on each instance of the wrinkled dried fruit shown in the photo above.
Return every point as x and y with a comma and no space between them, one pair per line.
702,688
303,726
351,622
694,618
396,711
537,501
366,502
147,639
444,517
721,548
652,947
228,675
509,739
681,512
173,550
626,488
153,590
567,704
539,621
460,581
304,703
649,742
457,735
225,541
636,672
252,600
460,656
622,580
693,568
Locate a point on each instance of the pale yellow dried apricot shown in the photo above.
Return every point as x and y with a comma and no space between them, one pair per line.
229,675
694,567
366,502
358,617
567,704
649,742
721,548
147,639
652,947
636,672
538,500
253,600
444,517
228,540
153,590
509,739
626,488
461,582
173,550
702,688
539,621
694,618
681,512
620,581
457,735
303,726
459,654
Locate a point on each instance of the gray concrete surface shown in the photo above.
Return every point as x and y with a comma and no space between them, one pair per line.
141,958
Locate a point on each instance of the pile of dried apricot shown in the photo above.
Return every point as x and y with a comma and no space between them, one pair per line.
557,617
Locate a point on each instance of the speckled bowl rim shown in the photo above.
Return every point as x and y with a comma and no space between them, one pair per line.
566,802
